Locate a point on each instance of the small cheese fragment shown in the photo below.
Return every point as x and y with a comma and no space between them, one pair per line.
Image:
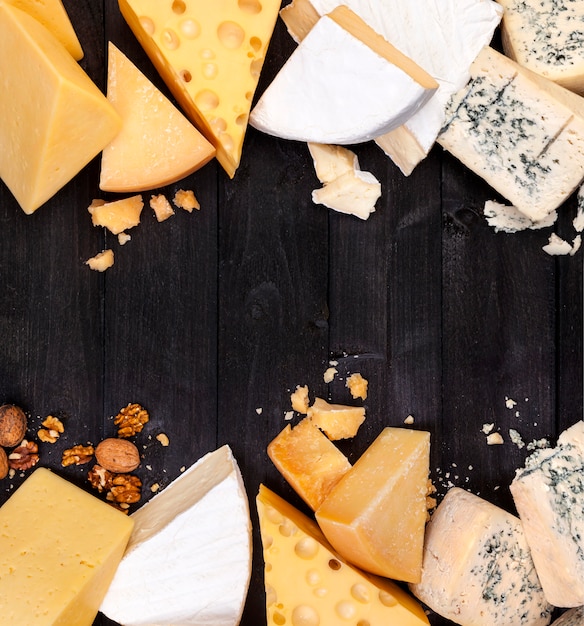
299,399
309,462
46,140
157,145
477,566
59,549
549,496
185,199
556,246
118,215
509,219
357,385
338,421
573,617
332,161
545,36
343,84
364,516
210,55
308,583
189,558
161,207
523,134
101,261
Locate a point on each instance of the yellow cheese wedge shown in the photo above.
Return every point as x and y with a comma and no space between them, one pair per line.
338,421
118,215
375,515
59,549
210,55
157,144
53,118
308,583
53,16
310,462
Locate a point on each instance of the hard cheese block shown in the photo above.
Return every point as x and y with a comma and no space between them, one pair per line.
210,55
546,37
477,566
308,583
364,515
343,84
59,549
45,140
521,133
549,496
157,144
52,15
189,558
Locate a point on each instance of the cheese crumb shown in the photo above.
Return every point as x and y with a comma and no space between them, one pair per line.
163,439
557,246
161,207
487,428
509,403
101,261
299,399
123,238
516,438
288,415
510,219
409,419
185,199
494,439
357,386
259,410
330,374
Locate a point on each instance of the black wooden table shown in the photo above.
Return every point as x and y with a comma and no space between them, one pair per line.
211,319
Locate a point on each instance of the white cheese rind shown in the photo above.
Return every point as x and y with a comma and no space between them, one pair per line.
549,496
477,568
335,89
519,132
189,559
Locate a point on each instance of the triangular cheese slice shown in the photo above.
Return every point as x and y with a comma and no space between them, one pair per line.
210,54
53,16
157,144
307,582
343,84
188,560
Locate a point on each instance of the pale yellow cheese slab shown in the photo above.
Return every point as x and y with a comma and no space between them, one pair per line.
59,549
157,145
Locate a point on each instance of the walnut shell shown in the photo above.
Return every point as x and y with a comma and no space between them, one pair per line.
3,464
13,424
117,455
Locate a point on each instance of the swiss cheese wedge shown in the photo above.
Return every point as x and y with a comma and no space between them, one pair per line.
157,144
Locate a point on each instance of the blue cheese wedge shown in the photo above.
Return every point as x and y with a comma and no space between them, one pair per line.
188,560
549,496
343,84
477,568
520,132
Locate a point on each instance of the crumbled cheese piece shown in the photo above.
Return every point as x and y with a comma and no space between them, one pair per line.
123,238
155,487
299,399
576,243
163,439
357,385
409,419
487,428
557,246
329,374
185,199
259,410
494,439
101,261
288,415
538,444
161,207
516,438
509,403
510,219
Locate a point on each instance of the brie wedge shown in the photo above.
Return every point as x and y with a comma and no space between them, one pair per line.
188,560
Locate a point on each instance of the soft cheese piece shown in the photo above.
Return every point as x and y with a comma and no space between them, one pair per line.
157,144
52,15
441,36
546,37
332,161
520,132
59,549
189,558
354,193
477,566
308,583
46,139
210,54
573,617
343,84
364,517
549,496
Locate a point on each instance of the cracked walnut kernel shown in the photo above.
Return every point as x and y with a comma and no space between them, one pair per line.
100,478
53,428
130,420
24,456
77,455
125,489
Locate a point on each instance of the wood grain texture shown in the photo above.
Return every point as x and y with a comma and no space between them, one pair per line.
211,319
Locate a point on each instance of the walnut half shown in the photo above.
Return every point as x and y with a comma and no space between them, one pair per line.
77,455
24,456
130,420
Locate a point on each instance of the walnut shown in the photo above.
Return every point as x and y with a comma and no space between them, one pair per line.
77,455
130,420
13,425
24,456
100,478
3,464
125,489
53,428
117,455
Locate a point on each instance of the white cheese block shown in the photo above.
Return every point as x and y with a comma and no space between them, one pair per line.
332,161
189,558
521,133
477,569
343,84
546,37
573,617
549,496
354,192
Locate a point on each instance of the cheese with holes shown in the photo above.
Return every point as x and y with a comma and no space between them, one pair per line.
157,145
53,118
573,617
59,549
308,460
549,496
441,36
477,566
308,583
52,15
189,558
343,84
363,515
520,132
210,55
546,37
